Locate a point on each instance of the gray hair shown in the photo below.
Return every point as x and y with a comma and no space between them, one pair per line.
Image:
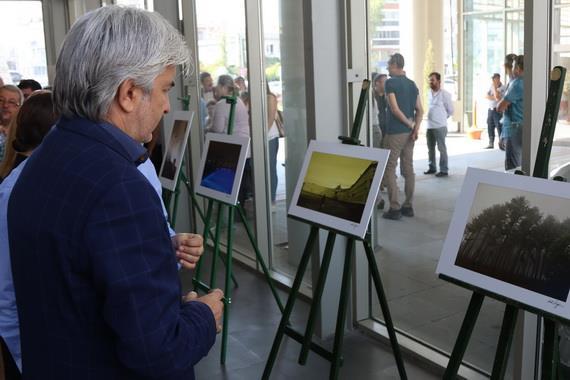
104,48
14,89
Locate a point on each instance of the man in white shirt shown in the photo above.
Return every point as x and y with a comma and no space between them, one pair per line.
494,95
440,108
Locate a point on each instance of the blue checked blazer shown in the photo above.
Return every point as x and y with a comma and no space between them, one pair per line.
94,271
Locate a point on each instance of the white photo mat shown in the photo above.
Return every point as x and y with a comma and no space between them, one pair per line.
342,151
236,142
482,189
176,148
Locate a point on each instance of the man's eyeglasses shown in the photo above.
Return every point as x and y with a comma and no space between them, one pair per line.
10,102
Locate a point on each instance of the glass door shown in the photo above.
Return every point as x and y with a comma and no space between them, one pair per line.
23,50
426,310
223,68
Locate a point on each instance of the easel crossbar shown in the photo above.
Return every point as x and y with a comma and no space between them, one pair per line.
315,347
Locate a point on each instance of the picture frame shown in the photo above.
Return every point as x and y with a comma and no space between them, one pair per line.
175,150
507,236
222,166
338,186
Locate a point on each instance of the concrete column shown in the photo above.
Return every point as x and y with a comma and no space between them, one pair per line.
326,117
425,23
294,36
257,115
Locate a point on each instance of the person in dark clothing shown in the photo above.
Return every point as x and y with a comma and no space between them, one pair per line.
97,286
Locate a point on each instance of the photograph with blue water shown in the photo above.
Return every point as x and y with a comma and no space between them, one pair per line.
220,166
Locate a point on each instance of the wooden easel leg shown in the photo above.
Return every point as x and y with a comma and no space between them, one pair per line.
317,295
342,310
205,236
290,302
373,267
549,351
505,341
219,221
464,336
260,258
228,288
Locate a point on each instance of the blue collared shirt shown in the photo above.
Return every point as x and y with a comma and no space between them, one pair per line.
137,153
514,112
147,169
9,325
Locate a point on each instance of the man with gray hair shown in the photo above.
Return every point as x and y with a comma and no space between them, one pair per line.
94,272
11,98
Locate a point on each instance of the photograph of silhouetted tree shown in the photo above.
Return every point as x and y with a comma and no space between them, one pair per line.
516,243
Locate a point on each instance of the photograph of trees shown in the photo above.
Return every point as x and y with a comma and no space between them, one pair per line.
522,239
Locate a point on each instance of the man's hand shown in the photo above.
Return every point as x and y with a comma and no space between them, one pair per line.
189,248
414,135
214,301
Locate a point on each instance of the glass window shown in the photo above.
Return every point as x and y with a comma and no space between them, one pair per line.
561,27
515,32
483,5
23,53
515,3
222,52
451,52
276,154
384,21
284,71
560,155
141,4
484,52
410,248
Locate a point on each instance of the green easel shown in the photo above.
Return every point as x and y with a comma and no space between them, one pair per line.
550,344
168,195
335,357
198,284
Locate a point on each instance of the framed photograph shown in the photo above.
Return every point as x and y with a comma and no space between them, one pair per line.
174,154
338,185
221,167
510,235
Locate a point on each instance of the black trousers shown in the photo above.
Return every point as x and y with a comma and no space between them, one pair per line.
494,121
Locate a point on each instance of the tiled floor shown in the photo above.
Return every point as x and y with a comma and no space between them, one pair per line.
421,304
411,248
253,324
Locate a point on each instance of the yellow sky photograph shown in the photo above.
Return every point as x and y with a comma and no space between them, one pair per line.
330,170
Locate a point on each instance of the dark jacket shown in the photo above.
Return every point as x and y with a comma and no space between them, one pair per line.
94,270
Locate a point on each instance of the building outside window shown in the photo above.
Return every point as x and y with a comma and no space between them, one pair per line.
492,29
23,54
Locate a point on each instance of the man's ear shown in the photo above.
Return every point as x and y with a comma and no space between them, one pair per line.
128,96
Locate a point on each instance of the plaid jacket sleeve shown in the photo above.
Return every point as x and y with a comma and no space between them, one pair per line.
134,268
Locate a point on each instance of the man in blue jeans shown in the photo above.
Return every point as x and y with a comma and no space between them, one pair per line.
440,109
512,106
